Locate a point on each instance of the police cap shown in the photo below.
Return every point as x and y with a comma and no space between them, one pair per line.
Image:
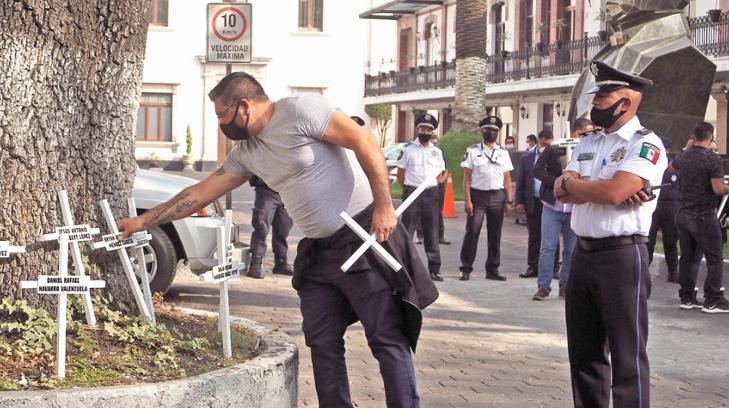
490,122
427,120
608,79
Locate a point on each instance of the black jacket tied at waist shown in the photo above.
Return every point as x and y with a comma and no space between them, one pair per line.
412,284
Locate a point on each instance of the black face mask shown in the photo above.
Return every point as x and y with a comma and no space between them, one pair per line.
234,132
489,137
604,117
424,137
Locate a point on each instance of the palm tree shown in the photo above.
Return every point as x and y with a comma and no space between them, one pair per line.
470,63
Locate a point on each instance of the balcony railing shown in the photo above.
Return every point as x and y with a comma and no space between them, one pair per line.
442,75
710,35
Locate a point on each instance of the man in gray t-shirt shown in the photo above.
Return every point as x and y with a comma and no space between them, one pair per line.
322,163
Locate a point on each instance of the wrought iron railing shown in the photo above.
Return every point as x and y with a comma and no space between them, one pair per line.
710,34
442,75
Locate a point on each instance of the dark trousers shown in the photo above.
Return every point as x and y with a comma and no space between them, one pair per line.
699,231
534,227
424,209
330,301
441,225
268,210
491,205
664,219
607,324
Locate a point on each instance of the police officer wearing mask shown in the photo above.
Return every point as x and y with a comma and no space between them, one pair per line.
487,191
419,161
606,300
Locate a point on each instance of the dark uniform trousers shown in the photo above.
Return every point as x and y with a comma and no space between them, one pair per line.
664,219
489,203
269,211
424,209
441,225
697,231
534,226
607,323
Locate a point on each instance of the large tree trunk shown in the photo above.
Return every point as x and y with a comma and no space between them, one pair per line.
470,64
70,77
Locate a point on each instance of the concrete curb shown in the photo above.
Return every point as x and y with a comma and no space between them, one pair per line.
267,381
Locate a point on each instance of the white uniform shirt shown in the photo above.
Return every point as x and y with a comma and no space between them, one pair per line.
597,157
488,166
420,162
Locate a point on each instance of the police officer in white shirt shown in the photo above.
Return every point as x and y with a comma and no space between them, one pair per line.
419,162
487,191
608,287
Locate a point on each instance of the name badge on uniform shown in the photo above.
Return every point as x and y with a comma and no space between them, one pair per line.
586,156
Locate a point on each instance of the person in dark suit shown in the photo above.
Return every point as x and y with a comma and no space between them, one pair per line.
527,201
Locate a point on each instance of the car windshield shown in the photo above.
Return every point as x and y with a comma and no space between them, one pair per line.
392,152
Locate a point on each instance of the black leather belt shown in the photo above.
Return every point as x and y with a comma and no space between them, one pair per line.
599,244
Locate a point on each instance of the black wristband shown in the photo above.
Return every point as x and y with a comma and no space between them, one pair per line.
564,184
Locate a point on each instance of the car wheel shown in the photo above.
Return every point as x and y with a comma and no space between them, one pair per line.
160,259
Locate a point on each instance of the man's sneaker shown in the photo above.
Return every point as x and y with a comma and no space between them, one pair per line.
688,303
436,276
542,294
720,305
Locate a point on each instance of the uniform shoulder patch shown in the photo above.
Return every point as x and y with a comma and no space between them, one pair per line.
645,131
473,145
399,156
650,152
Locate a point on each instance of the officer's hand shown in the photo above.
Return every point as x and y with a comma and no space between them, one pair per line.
507,210
128,226
384,222
636,200
469,208
520,209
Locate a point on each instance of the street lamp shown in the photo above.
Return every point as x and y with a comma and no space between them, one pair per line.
523,112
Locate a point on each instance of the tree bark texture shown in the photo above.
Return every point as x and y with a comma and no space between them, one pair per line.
470,64
70,78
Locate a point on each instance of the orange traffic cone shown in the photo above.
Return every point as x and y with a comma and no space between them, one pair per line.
449,204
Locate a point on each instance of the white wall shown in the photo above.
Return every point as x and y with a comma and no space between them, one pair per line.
284,57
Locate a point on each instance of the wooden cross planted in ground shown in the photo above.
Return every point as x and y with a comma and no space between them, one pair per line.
6,249
74,234
111,243
221,274
370,240
63,285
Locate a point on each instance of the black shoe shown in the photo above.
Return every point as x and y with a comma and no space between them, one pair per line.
444,241
530,273
495,276
254,270
282,267
465,273
690,302
436,276
720,305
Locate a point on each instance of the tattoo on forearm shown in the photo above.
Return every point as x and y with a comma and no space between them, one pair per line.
170,210
220,171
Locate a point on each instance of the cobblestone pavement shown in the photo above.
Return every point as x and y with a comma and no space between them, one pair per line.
487,344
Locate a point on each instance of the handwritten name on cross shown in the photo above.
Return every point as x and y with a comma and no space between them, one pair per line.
6,249
126,263
62,285
73,235
370,240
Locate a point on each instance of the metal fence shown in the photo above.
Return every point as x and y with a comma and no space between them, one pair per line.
710,34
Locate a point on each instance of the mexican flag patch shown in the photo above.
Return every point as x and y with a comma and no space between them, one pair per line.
650,152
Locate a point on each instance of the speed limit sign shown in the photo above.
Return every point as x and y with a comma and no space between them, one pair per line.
229,32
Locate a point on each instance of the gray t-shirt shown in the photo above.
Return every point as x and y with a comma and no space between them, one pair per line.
317,180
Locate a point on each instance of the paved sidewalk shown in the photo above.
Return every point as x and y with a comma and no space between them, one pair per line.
487,344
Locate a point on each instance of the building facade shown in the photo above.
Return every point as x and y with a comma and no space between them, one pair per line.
298,46
535,49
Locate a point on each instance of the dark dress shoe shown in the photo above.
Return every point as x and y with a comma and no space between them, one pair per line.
530,273
464,276
495,276
444,241
436,277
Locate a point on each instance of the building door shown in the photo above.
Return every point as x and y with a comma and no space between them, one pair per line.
405,54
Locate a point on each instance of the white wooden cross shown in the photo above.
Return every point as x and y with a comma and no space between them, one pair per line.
62,285
221,274
74,234
124,257
370,240
141,240
6,249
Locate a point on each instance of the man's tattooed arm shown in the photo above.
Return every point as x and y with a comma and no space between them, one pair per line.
180,206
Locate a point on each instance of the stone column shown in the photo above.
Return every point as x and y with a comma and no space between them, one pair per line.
721,121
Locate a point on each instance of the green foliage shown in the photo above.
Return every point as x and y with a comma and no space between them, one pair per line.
7,384
33,328
454,145
88,374
381,114
188,140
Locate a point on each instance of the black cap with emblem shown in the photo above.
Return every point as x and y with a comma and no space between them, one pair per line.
608,79
426,120
490,122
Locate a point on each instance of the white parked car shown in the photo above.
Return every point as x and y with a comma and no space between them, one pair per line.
392,154
190,240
